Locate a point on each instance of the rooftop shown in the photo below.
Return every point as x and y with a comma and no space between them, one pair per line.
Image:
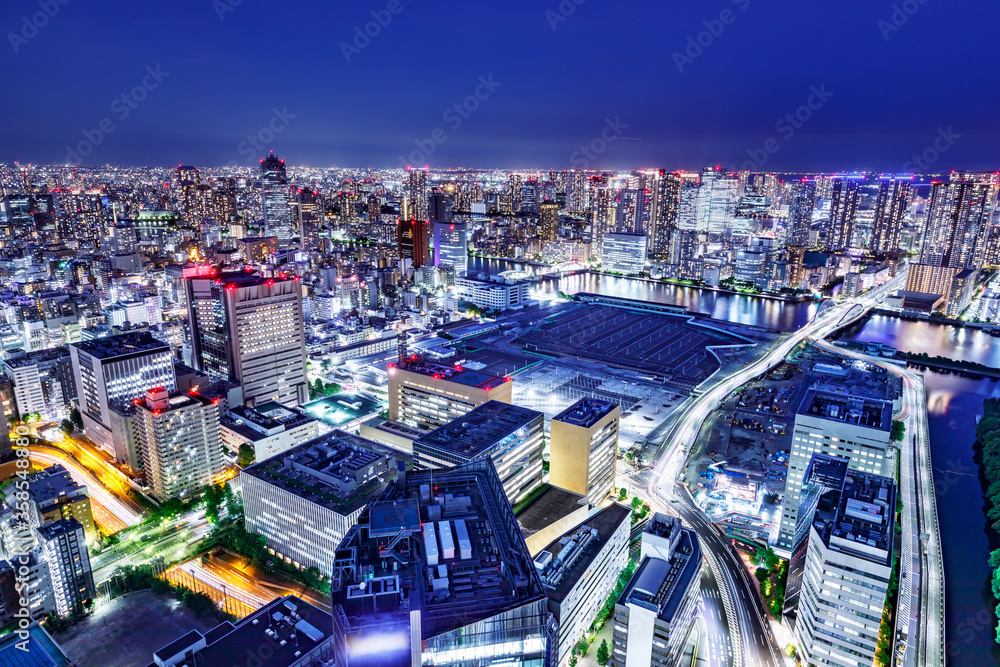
33,358
586,412
860,519
660,585
140,342
456,373
479,429
563,563
52,529
453,551
847,409
338,470
264,420
51,483
552,505
289,627
41,650
341,408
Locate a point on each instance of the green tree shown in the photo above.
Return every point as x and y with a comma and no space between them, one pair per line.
771,559
67,427
898,430
761,573
246,455
603,653
581,646
623,494
76,418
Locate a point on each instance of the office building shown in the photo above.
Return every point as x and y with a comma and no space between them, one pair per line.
112,371
893,199
305,499
392,434
855,427
847,571
308,215
426,394
843,211
53,495
508,434
415,203
440,207
437,573
180,443
584,447
43,649
411,237
275,195
249,329
497,293
63,546
451,246
286,632
42,381
548,221
580,569
655,612
624,253
270,429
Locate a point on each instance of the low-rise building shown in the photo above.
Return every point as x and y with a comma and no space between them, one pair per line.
497,292
270,428
54,495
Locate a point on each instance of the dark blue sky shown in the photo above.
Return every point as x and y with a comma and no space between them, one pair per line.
892,89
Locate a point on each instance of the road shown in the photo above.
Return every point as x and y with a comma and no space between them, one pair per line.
921,589
172,539
739,594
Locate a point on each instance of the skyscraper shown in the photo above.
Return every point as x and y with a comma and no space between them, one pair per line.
64,547
576,191
180,441
188,180
411,236
843,211
451,242
584,447
249,329
890,207
803,200
664,220
274,199
440,207
515,190
308,214
548,221
416,195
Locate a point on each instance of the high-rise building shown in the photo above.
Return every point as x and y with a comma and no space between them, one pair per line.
625,253
308,215
64,548
847,572
576,191
427,395
584,447
451,246
275,200
440,207
178,435
188,180
665,218
843,211
800,211
113,371
42,381
855,427
580,568
411,236
602,206
510,435
655,612
515,191
305,499
890,207
436,572
249,329
632,209
548,221
270,428
415,204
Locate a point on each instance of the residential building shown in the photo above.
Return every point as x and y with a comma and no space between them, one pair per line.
894,193
510,435
54,495
63,546
583,448
304,500
497,293
249,329
655,612
114,370
847,572
411,237
43,381
180,442
426,394
436,572
580,569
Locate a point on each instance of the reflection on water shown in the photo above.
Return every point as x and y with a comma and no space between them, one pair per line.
934,339
770,313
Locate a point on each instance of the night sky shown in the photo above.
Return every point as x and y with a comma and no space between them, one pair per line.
890,83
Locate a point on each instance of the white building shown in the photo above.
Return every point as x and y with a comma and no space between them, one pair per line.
853,427
63,545
498,292
625,253
270,429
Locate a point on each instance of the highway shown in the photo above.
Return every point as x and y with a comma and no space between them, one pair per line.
921,584
751,643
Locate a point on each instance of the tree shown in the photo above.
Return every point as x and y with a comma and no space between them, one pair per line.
761,573
76,418
771,560
573,660
623,494
603,653
246,455
581,646
898,431
67,427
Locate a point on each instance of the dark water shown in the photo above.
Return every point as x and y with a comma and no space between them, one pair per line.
953,402
770,313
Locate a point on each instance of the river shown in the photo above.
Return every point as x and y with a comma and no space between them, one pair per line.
953,401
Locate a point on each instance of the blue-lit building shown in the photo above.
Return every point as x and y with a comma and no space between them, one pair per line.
451,244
